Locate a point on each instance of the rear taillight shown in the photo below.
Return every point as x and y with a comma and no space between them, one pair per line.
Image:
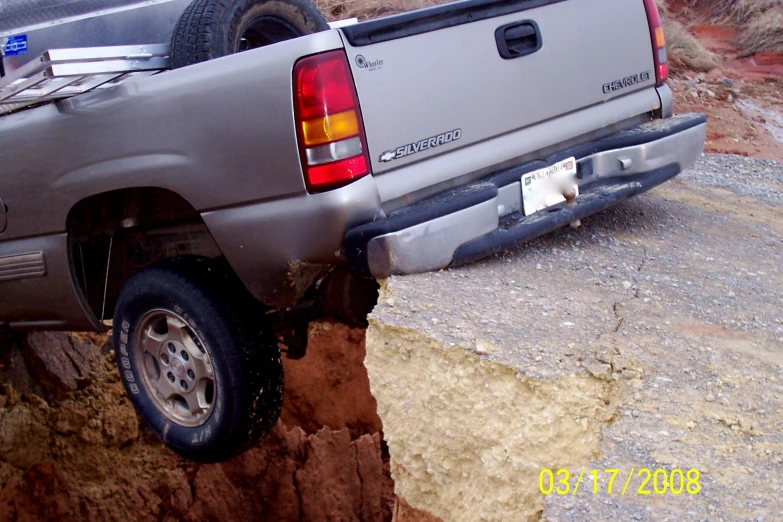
329,123
658,42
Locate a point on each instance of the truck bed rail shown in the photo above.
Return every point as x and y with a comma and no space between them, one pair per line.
62,73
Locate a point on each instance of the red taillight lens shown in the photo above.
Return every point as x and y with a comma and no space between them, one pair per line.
329,123
338,172
658,42
323,85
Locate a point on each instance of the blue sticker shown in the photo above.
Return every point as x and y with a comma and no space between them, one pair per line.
15,45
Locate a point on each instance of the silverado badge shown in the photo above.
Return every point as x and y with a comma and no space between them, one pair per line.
425,144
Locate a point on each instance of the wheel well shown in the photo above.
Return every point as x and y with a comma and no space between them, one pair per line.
114,234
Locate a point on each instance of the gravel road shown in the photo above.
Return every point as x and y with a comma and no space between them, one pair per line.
677,297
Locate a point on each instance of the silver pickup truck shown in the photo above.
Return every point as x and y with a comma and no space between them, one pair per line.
203,207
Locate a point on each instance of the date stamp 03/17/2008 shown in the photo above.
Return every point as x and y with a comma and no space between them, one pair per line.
642,481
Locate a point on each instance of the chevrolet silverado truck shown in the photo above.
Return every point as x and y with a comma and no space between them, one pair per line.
205,208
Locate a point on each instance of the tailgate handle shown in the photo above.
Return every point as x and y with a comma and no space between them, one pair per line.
518,39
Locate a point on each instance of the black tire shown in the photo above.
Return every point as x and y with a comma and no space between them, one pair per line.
350,298
212,28
223,321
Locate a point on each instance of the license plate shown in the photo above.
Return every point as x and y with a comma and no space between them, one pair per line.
545,187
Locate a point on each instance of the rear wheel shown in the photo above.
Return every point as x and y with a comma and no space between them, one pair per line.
198,365
212,28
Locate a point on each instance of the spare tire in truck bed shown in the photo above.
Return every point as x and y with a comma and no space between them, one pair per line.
212,28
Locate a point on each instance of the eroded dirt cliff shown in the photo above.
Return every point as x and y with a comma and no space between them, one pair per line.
83,454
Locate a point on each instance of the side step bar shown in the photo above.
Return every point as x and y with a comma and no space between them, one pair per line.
62,73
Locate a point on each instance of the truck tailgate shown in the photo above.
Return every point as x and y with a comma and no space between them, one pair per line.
444,78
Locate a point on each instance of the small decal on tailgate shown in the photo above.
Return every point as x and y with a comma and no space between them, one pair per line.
370,65
425,144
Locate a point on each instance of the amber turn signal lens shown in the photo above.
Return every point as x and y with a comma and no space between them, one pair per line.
660,41
332,127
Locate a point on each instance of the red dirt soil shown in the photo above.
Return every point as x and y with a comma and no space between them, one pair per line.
755,68
715,38
730,129
86,456
759,67
329,387
741,97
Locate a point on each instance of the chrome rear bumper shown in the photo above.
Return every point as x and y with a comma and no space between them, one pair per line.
485,217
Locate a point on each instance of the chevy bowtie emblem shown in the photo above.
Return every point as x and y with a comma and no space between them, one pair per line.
387,156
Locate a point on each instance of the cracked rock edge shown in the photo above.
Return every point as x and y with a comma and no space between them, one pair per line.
468,437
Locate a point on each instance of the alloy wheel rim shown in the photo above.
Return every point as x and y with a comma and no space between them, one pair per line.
177,370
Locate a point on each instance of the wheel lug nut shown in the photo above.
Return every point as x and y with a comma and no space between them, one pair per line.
164,359
171,376
184,385
185,355
171,347
191,375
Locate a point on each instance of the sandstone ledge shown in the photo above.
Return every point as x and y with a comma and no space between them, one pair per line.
469,426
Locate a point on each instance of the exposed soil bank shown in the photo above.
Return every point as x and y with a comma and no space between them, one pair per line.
86,456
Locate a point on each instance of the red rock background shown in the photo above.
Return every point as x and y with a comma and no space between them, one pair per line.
742,96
